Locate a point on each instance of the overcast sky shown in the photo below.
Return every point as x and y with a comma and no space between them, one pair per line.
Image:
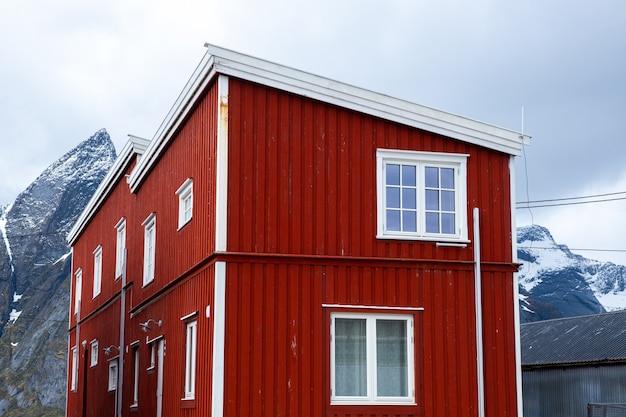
71,67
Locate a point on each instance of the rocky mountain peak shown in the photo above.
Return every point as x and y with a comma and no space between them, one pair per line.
34,276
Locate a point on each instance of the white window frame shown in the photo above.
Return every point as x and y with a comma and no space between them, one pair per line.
371,398
78,289
458,162
185,202
113,374
97,271
74,380
94,352
149,252
136,374
191,341
120,247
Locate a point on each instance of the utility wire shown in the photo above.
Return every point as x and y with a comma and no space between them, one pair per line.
570,201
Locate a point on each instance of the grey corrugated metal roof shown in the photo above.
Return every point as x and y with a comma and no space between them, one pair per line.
585,339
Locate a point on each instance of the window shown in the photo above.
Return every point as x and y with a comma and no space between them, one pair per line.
136,375
185,202
190,359
113,374
94,352
152,356
97,271
78,289
421,195
372,359
74,382
149,248
120,247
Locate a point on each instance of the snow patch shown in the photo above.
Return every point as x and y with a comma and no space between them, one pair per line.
3,231
17,297
14,315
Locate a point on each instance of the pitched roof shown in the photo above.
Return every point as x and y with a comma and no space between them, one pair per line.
574,340
230,63
134,146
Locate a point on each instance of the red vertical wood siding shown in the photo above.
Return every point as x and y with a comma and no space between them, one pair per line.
301,235
302,181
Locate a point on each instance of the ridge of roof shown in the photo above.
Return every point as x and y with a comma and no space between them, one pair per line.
223,61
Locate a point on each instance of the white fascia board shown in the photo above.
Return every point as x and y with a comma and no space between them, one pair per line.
224,61
134,146
191,92
366,101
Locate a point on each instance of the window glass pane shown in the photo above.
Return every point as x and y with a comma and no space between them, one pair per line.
393,220
431,177
409,198
447,200
432,222
350,357
393,174
447,223
393,197
432,200
409,221
408,175
391,358
447,178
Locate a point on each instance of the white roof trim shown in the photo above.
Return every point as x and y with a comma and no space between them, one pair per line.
134,146
223,61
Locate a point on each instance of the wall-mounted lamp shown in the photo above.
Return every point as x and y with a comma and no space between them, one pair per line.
145,326
109,350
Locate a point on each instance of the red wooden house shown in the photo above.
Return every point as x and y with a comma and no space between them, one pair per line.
288,245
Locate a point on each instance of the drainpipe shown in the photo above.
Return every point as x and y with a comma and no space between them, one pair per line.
120,365
479,317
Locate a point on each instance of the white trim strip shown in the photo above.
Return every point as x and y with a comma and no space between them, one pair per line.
219,332
221,187
369,307
188,316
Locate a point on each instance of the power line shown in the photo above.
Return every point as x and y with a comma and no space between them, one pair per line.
573,249
570,201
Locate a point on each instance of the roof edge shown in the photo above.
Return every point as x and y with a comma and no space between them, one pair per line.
134,146
218,60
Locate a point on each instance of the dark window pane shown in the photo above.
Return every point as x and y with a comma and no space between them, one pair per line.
432,200
409,198
393,174
447,178
350,357
432,177
408,175
393,197
409,222
391,358
447,223
393,220
447,200
432,222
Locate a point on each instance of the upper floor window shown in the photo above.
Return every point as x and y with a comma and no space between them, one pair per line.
372,359
149,248
421,195
185,202
120,247
78,289
97,271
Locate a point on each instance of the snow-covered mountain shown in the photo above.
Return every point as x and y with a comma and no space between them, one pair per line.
554,282
34,278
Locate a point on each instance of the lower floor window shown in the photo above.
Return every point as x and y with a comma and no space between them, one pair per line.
113,374
372,359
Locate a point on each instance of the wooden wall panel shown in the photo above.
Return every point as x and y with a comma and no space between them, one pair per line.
302,180
277,349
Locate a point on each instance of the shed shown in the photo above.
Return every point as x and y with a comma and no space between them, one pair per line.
570,363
